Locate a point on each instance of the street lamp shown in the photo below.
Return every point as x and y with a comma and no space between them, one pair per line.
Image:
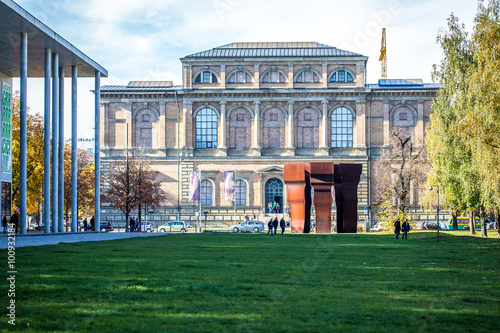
437,189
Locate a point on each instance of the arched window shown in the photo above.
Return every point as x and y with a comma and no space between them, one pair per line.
206,193
241,193
341,128
308,75
273,75
342,76
206,129
240,76
206,76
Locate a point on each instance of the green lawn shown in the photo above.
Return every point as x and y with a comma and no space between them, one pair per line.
226,282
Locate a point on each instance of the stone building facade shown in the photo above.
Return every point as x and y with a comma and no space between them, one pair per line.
250,108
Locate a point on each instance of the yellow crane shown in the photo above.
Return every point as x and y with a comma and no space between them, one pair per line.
383,56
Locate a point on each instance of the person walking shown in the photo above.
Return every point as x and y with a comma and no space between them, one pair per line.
14,220
397,228
4,224
275,224
131,224
92,223
275,205
269,207
282,225
270,227
405,227
137,225
278,208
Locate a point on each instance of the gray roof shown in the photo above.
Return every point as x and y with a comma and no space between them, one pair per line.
14,20
277,49
129,88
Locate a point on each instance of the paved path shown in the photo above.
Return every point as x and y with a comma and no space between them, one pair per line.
42,239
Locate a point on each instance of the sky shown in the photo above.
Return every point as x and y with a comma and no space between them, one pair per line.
144,39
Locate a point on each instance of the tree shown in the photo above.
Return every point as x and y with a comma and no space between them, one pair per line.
399,171
463,140
34,154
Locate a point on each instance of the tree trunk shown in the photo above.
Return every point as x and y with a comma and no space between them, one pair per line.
139,207
127,227
484,232
472,222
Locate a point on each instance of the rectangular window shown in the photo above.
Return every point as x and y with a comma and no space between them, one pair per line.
206,77
341,76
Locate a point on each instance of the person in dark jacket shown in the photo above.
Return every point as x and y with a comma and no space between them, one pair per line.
405,228
275,225
397,228
270,227
131,223
4,224
282,225
14,220
92,223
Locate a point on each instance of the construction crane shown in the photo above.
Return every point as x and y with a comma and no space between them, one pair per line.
383,56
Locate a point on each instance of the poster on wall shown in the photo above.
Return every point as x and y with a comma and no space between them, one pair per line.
6,128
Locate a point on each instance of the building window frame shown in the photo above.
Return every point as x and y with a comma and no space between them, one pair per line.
206,135
206,193
341,128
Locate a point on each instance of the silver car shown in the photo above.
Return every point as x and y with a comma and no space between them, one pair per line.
254,226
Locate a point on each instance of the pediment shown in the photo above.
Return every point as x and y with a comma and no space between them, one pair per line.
273,169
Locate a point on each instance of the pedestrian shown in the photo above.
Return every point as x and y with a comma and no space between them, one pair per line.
278,210
275,205
92,223
137,225
4,224
14,221
254,217
270,227
131,224
282,225
85,224
397,228
405,227
275,224
269,207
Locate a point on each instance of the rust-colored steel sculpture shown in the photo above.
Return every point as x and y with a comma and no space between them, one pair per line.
339,198
299,177
350,174
321,182
296,179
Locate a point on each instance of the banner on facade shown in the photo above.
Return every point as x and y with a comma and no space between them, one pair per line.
229,185
194,185
6,128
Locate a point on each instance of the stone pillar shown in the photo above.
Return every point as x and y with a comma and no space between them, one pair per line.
46,142
23,108
223,125
223,76
420,128
161,127
256,75
387,123
291,143
324,75
290,76
360,123
324,129
256,124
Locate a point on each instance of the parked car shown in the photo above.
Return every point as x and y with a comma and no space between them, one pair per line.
254,226
378,227
106,226
432,225
174,226
147,226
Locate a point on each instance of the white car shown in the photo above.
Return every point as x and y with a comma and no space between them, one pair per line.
378,227
254,226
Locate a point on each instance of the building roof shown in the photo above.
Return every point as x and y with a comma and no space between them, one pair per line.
275,49
403,84
14,20
142,86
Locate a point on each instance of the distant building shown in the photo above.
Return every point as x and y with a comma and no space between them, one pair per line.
251,107
87,145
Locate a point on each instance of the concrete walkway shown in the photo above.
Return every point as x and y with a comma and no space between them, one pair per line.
50,239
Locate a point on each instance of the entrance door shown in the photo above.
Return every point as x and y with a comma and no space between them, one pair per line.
274,192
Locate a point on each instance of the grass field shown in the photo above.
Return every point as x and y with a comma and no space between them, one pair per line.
226,282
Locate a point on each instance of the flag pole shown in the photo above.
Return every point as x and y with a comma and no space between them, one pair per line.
234,196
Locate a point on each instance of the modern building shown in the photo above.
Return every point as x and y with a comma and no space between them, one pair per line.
28,48
250,108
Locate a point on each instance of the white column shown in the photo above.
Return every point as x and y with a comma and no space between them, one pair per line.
291,143
97,152
256,122
324,131
223,124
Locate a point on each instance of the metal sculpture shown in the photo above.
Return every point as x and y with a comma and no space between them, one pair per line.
321,182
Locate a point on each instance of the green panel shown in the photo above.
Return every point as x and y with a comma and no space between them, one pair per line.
6,128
